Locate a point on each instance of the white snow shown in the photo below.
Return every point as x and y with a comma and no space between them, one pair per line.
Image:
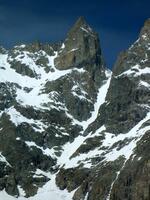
102,92
17,118
37,99
51,191
34,97
48,191
128,150
139,158
39,173
87,30
62,47
21,191
26,59
135,134
78,92
144,83
86,196
3,159
100,100
74,49
135,71
111,187
70,148
1,112
20,46
47,151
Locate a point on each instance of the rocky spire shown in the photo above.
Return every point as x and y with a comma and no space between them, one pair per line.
81,25
145,31
80,47
137,54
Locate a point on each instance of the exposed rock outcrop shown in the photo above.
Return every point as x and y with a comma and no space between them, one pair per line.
69,125
80,48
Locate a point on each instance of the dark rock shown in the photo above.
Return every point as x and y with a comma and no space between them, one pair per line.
71,100
80,48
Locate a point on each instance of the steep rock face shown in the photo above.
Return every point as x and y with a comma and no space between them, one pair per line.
134,182
69,128
138,53
130,84
42,109
113,141
134,68
81,49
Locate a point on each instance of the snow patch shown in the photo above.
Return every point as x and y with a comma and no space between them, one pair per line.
48,191
47,151
135,71
17,118
3,159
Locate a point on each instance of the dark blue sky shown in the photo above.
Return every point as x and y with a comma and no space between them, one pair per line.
118,22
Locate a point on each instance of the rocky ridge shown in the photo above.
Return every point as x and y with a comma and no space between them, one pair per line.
70,128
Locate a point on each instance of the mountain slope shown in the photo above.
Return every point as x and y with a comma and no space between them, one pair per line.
71,129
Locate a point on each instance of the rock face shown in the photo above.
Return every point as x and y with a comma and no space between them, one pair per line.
80,48
69,128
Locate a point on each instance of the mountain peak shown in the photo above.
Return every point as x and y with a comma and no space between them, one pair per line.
80,48
145,31
80,21
82,133
81,25
147,22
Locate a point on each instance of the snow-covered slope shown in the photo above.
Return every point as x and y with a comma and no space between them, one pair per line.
50,190
69,127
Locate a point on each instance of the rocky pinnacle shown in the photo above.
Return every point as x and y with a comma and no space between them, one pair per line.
80,47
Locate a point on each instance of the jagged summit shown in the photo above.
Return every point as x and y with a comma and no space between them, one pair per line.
147,22
80,133
80,47
145,31
138,53
80,21
81,25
